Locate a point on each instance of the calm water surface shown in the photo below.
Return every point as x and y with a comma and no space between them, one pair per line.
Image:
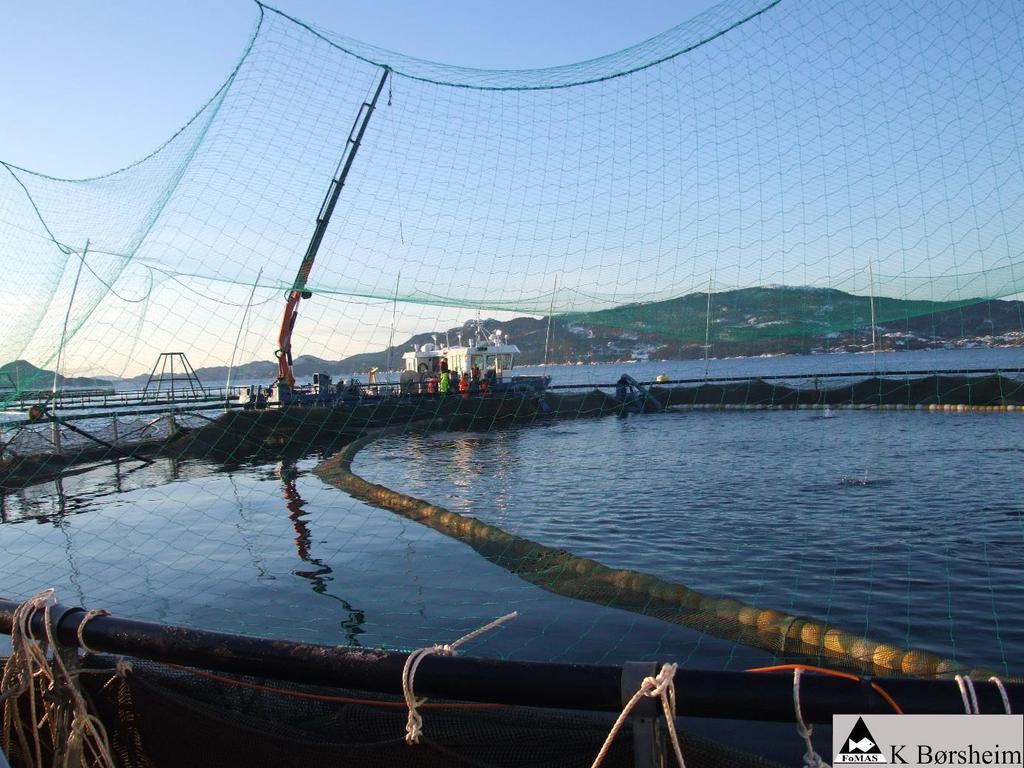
905,526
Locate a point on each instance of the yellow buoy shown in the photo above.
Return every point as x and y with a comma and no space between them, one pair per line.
810,634
948,667
863,649
748,615
918,663
839,641
887,657
728,609
769,619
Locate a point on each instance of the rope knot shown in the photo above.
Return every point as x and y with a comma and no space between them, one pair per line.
661,686
414,723
80,632
655,686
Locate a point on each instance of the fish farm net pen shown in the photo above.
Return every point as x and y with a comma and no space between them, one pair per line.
29,454
372,347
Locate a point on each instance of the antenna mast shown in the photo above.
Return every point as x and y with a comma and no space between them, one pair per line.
551,312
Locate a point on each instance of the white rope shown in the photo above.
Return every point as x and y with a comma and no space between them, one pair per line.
89,616
973,693
811,758
414,724
61,714
963,693
966,685
663,687
1002,692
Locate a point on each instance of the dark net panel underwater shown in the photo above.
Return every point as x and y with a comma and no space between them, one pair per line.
159,717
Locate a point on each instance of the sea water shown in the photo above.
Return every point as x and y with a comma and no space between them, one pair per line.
904,526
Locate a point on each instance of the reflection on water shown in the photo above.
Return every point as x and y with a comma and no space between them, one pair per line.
81,487
320,578
165,488
451,460
257,549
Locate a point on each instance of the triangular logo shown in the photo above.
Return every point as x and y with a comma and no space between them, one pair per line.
860,746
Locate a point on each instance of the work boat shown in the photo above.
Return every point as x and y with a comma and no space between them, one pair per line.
485,361
492,357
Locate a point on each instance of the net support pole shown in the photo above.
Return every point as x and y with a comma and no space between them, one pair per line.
238,339
60,350
55,436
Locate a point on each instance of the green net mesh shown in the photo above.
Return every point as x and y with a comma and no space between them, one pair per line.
868,153
766,178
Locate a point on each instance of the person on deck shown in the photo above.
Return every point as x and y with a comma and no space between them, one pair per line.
444,384
621,389
464,386
476,372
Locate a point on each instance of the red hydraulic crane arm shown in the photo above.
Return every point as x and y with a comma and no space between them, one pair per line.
298,290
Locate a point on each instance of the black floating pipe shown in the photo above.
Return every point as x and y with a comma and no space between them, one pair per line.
803,376
729,695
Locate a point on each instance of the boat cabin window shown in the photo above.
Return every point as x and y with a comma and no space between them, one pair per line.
426,365
501,362
497,363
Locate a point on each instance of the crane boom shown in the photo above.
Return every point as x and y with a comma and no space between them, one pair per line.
298,290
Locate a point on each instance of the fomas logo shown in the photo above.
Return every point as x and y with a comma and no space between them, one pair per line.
932,740
860,746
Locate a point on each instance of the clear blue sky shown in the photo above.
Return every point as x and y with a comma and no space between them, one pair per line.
89,86
865,148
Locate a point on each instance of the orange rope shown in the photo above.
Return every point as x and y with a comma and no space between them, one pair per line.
480,705
332,699
833,673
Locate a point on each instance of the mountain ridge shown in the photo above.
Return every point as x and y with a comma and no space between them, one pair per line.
740,322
